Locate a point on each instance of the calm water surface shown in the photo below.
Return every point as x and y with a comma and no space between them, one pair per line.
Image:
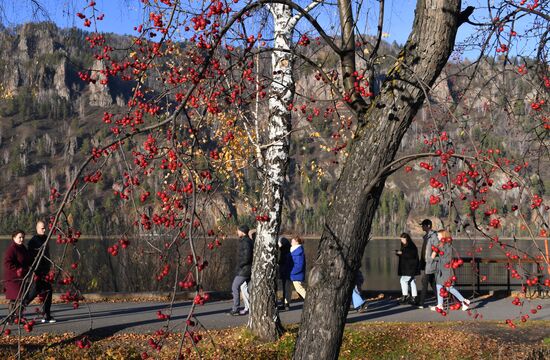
129,271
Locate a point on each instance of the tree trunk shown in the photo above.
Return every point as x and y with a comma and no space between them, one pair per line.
358,191
264,319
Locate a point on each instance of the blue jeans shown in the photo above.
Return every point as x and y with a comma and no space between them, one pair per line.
246,296
237,282
356,298
452,290
405,281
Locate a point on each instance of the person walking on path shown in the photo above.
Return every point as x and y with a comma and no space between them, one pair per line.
244,286
285,266
444,272
298,269
244,267
17,261
41,287
408,268
359,304
427,263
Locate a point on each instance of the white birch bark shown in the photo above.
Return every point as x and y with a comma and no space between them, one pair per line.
264,318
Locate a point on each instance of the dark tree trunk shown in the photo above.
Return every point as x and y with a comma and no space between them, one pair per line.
358,191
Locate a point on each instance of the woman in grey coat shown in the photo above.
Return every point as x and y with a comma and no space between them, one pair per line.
444,271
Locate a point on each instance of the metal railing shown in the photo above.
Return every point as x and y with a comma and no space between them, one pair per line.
497,272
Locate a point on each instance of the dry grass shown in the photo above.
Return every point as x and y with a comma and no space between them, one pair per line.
361,341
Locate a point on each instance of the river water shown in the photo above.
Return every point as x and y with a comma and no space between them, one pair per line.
136,268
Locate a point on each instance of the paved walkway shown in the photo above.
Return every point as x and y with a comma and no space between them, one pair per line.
141,317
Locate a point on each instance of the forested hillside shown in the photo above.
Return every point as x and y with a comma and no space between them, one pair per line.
50,120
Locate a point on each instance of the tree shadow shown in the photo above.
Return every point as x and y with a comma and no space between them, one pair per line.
379,309
128,311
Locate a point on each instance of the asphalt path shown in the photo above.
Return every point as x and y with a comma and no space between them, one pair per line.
105,319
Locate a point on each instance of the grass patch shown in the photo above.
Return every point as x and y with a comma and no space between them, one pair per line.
361,341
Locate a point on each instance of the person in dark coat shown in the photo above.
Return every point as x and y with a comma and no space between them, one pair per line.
17,261
408,268
285,265
244,266
244,286
298,268
41,286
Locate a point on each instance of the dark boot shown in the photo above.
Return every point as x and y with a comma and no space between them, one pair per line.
403,299
413,300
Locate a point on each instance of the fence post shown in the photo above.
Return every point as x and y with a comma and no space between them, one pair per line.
477,263
508,287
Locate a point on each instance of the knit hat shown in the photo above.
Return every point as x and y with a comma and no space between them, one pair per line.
244,228
426,222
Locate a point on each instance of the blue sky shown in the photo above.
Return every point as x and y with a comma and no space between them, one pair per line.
122,15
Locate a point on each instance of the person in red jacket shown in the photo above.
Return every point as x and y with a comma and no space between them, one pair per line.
16,265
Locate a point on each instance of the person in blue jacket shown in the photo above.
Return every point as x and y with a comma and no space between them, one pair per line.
298,269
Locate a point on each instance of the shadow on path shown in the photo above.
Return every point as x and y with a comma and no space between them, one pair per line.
120,312
381,308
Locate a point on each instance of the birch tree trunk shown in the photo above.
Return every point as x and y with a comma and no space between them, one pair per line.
358,191
264,319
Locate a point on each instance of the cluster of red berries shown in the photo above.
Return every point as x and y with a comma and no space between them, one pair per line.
537,105
434,199
216,243
437,250
154,345
495,223
262,218
113,250
67,280
202,265
193,336
200,299
517,301
27,325
502,48
537,201
145,222
533,6
70,238
440,311
83,343
73,297
435,183
165,271
54,194
187,284
162,316
426,166
50,277
455,264
304,40
509,185
474,204
532,281
94,178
